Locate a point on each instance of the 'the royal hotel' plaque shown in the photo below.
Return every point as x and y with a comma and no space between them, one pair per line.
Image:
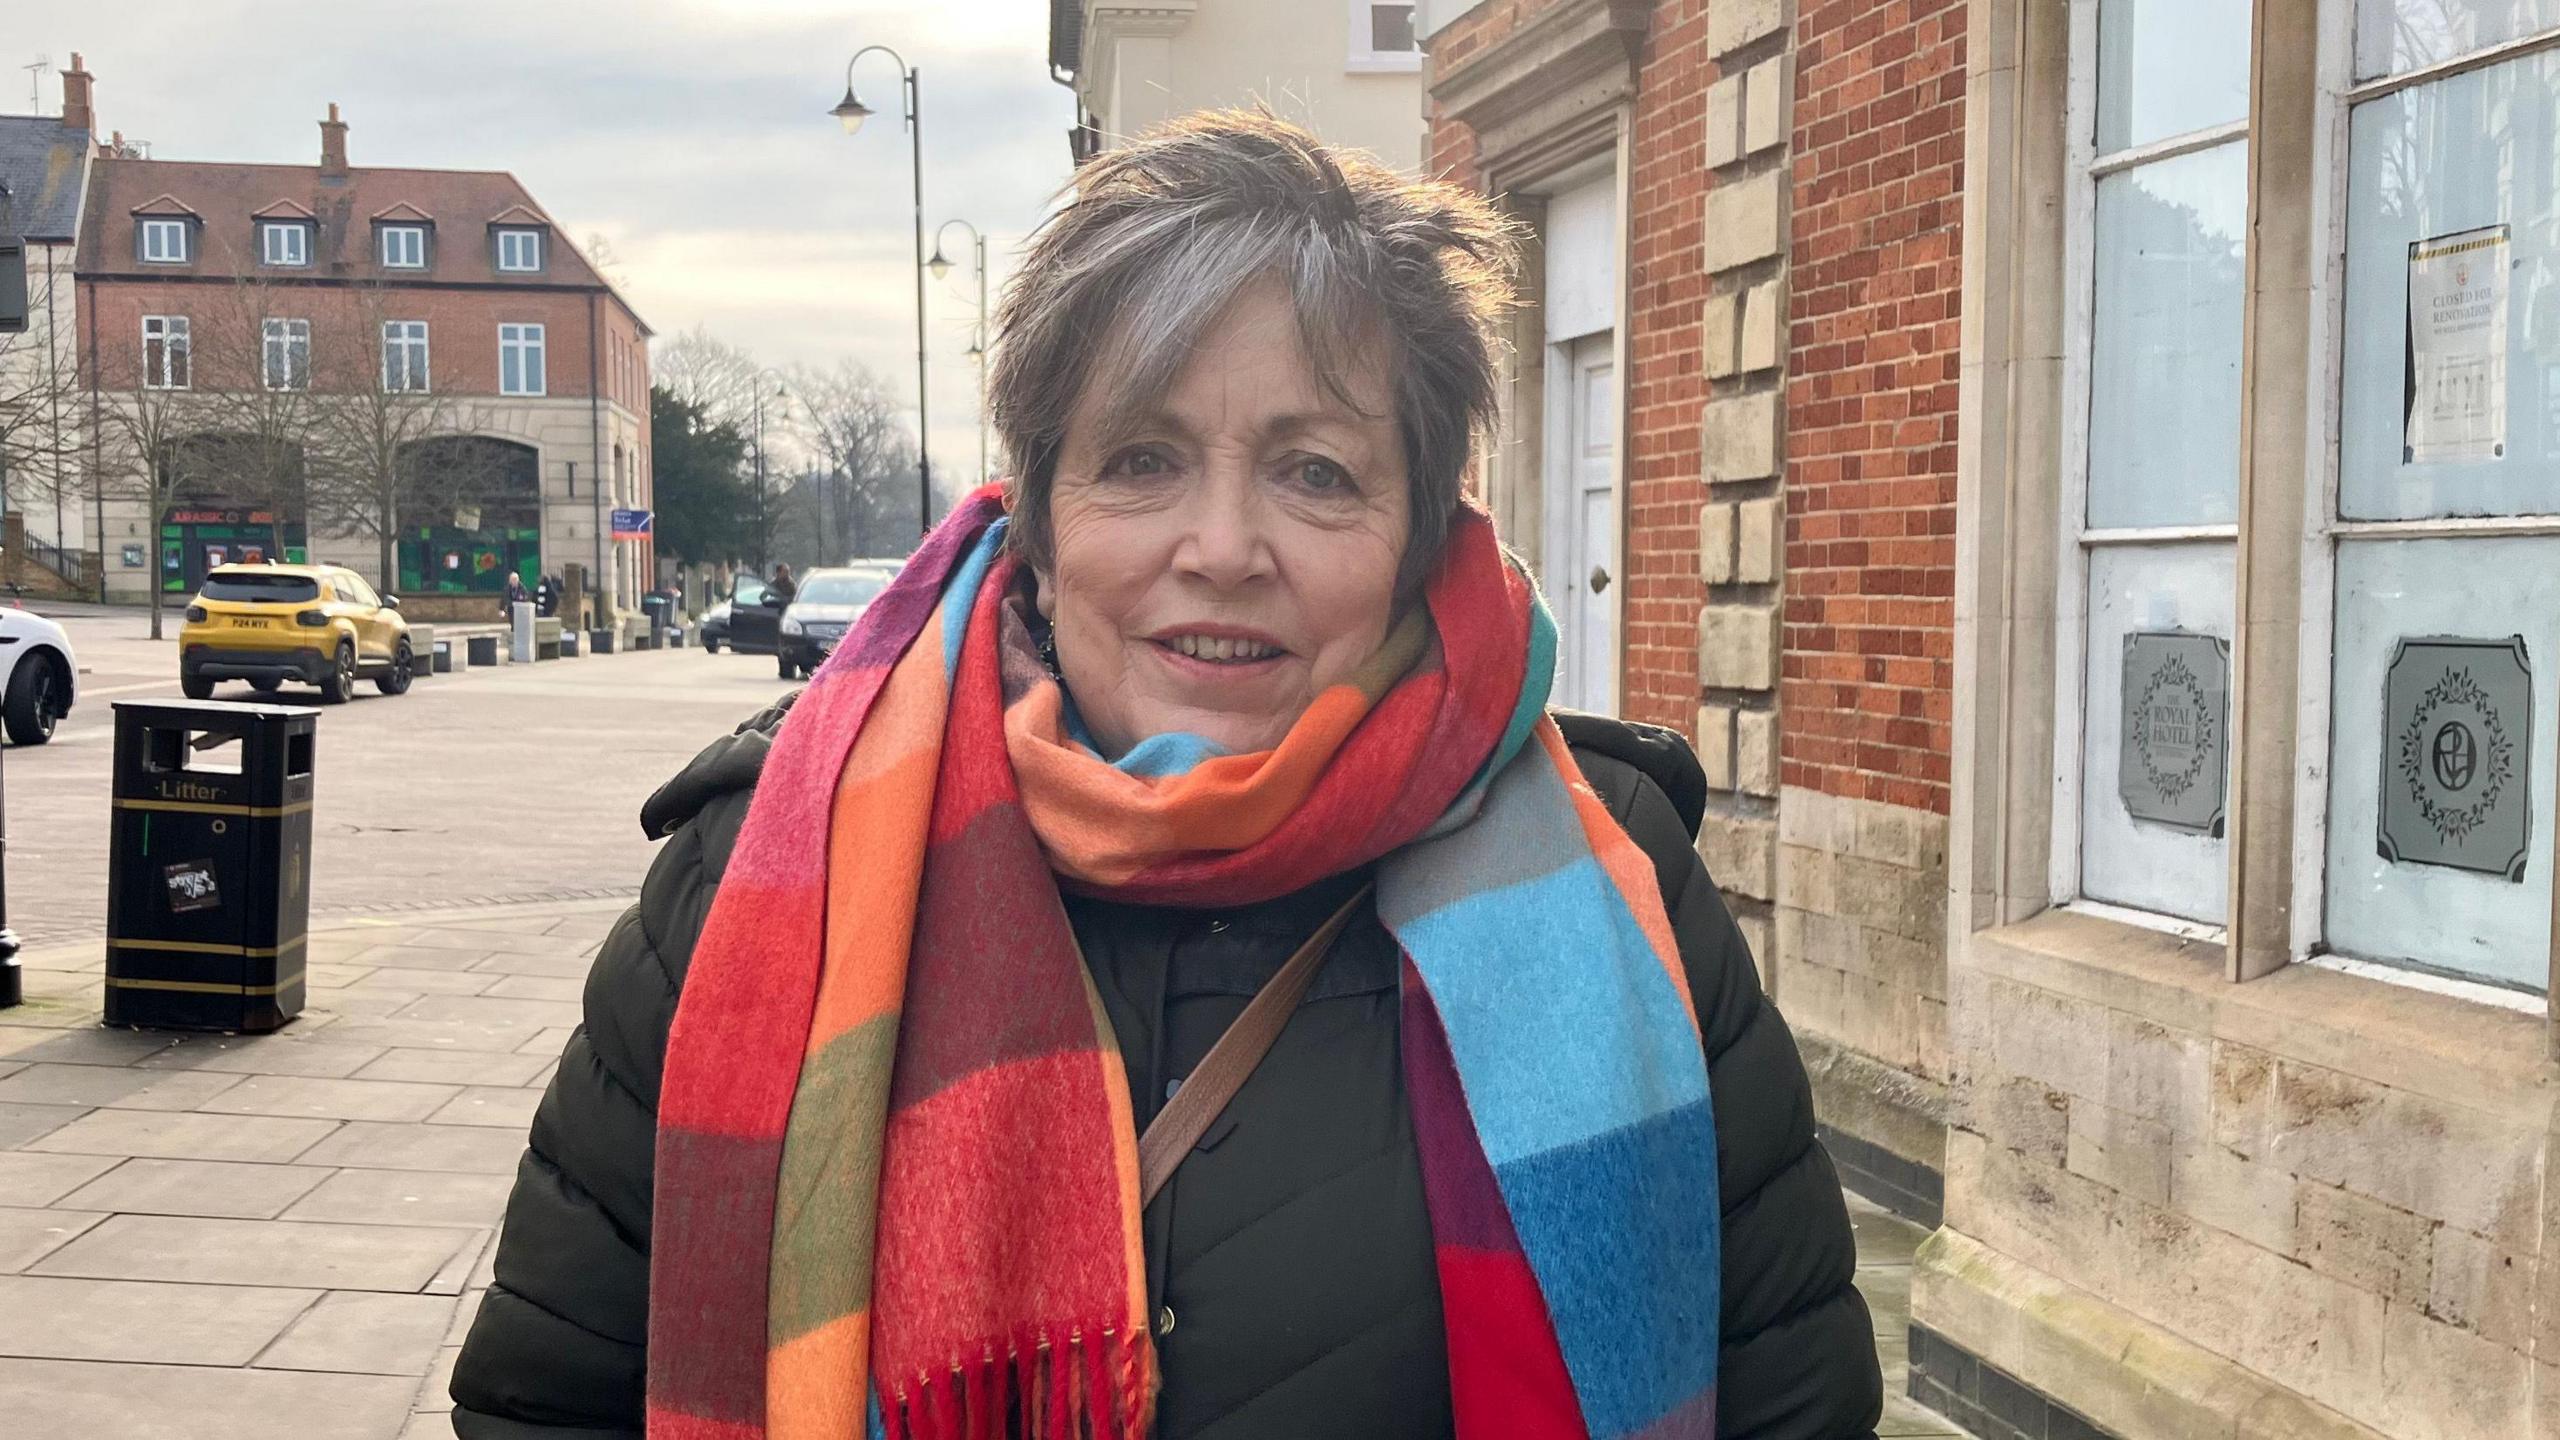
2177,689
2457,718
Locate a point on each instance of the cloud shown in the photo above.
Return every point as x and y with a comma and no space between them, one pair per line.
691,134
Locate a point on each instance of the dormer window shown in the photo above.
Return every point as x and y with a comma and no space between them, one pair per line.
520,251
284,242
404,247
164,242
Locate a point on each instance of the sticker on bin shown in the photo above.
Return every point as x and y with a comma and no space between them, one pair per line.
192,887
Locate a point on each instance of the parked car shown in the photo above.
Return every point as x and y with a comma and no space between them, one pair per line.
829,603
37,675
731,623
318,624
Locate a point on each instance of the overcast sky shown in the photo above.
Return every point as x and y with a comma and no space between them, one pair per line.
692,135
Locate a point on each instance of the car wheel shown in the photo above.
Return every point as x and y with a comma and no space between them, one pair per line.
395,681
339,685
34,701
711,644
195,687
266,687
783,664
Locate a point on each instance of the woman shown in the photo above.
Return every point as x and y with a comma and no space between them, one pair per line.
1231,674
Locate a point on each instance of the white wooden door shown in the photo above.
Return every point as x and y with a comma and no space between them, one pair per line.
1582,536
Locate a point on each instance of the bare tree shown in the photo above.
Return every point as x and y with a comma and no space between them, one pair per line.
262,399
862,461
701,369
373,469
40,407
146,455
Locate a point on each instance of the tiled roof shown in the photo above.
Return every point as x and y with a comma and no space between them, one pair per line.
42,166
346,206
286,208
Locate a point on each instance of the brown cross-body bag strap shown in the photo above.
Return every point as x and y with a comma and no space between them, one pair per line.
1187,1116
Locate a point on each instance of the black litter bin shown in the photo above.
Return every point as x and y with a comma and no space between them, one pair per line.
209,865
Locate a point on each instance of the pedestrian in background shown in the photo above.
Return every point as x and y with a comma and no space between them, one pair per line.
779,591
1221,725
516,594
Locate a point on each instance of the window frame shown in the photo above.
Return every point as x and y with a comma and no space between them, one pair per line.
2076,539
1362,58
176,337
531,338
423,368
165,225
530,235
382,245
2325,530
289,331
297,232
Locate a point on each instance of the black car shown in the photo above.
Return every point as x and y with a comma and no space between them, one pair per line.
829,603
743,622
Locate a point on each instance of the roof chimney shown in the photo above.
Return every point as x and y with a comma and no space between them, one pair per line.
77,112
333,143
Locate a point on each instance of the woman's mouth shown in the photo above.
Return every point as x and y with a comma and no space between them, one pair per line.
1220,649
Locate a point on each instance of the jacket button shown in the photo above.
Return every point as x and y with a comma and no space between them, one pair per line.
1217,927
1172,1088
1164,1322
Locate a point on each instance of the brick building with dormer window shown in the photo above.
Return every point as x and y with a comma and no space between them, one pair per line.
358,364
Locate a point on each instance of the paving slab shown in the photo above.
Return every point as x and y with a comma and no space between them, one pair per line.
419,957
494,942
228,1189
570,989
92,1045
407,1197
293,1253
574,967
415,1033
425,982
324,1099
436,1425
28,1235
126,1086
45,1317
530,1015
268,1139
367,1333
461,1149
31,1179
454,1067
20,1123
282,1054
504,1107
91,1400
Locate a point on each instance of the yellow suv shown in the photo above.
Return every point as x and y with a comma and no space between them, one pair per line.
319,624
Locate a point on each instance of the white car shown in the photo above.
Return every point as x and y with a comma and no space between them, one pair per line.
36,675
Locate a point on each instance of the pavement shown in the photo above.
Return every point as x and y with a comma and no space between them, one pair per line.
208,1237
501,784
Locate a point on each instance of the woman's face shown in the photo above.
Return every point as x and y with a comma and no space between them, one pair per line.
1237,555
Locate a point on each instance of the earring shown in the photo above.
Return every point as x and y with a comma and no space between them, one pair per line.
1049,651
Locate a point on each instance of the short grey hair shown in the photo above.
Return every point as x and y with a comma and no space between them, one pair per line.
1156,238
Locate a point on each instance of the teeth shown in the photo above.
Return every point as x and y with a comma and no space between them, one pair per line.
1204,647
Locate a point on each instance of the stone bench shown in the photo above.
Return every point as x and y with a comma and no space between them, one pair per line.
546,637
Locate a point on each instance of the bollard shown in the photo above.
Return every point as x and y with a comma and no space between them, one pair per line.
209,869
520,641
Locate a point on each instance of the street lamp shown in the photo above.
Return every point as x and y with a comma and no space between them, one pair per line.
941,267
764,514
853,112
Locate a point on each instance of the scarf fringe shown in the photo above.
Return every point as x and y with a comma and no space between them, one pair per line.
1031,1389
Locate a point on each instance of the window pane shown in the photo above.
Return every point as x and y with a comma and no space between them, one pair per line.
2397,35
1391,29
2167,67
2466,154
2181,589
2164,363
2391,591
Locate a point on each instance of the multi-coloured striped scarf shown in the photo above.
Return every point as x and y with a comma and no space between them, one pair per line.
897,1172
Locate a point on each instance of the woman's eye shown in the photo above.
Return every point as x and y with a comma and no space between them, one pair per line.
1322,476
1140,463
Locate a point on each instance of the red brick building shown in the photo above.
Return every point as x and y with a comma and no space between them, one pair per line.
279,303
2024,446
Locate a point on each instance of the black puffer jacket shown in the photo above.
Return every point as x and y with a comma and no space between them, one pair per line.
1289,1260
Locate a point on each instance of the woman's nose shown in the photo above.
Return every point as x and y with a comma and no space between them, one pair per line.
1223,541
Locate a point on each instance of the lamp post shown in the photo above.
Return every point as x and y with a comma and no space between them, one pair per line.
977,337
764,512
853,112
